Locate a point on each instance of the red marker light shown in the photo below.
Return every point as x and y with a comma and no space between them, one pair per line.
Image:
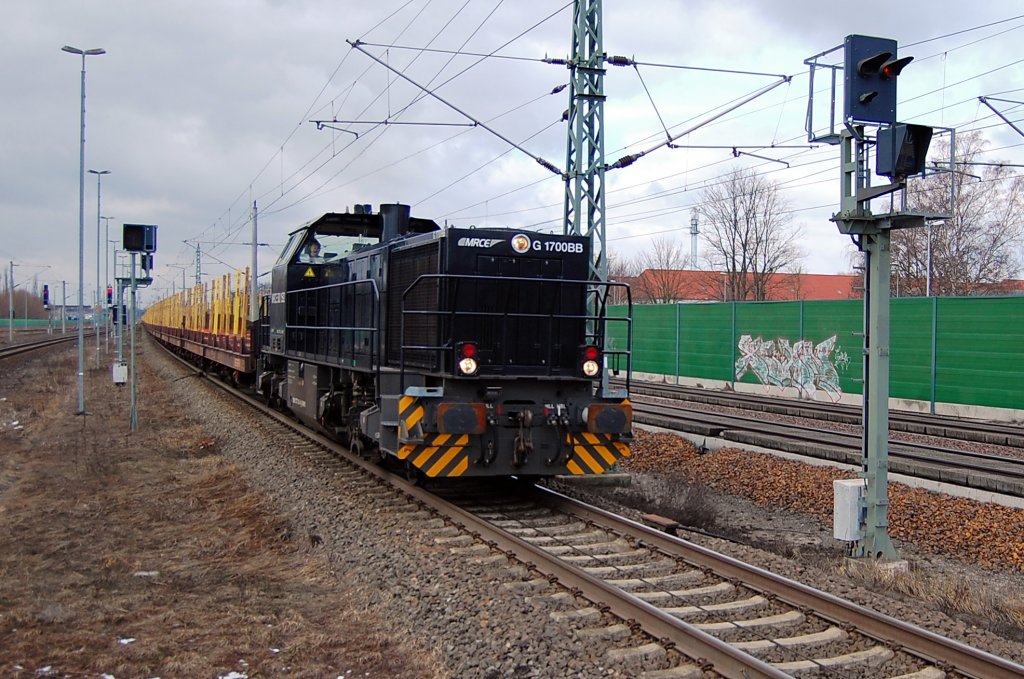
590,353
468,350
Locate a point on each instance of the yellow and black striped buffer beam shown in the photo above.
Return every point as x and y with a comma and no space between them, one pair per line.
410,414
594,453
439,455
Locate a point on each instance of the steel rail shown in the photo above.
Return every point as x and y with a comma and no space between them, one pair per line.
913,639
899,420
702,648
712,653
706,650
984,471
813,434
26,347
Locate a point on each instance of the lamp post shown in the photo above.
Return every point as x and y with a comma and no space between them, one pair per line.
81,228
99,293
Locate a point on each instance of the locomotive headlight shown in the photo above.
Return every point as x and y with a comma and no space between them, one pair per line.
589,360
465,354
521,243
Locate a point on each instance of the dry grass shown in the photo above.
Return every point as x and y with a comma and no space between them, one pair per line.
947,592
110,536
671,496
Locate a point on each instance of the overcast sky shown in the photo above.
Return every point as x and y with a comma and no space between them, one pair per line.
200,108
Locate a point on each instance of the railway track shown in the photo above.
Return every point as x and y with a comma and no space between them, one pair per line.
978,431
684,589
659,605
961,467
34,345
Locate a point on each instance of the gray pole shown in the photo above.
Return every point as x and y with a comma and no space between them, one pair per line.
872,234
106,279
63,306
253,307
120,322
877,543
99,294
81,230
10,305
694,233
133,415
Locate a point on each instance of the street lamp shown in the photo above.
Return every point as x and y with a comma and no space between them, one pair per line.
99,294
81,229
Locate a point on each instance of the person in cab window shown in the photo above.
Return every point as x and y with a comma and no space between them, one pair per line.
311,253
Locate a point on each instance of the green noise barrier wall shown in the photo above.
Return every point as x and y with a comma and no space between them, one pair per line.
967,350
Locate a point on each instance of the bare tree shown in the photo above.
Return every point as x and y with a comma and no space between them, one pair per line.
658,278
749,233
975,248
621,269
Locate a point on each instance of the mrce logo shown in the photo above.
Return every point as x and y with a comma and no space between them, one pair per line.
522,243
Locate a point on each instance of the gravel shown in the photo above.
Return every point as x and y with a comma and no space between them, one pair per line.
480,617
486,617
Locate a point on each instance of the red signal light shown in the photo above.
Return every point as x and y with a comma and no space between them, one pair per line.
893,67
467,350
591,353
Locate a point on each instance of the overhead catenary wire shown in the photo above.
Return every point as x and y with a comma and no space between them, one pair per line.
304,179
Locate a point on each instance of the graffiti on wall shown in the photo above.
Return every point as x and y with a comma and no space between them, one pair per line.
803,365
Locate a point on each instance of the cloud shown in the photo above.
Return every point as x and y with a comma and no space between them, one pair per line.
199,109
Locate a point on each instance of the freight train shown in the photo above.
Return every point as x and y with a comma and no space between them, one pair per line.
454,352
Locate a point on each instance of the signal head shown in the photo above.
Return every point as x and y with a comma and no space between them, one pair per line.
869,67
870,70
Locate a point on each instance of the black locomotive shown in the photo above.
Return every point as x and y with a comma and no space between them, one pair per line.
453,351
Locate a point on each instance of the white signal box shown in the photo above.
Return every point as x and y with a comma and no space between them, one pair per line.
846,509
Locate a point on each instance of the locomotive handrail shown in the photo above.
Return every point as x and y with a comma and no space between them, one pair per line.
590,287
373,330
601,302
